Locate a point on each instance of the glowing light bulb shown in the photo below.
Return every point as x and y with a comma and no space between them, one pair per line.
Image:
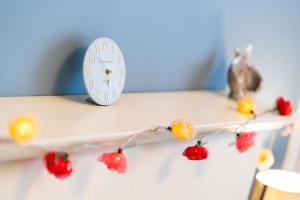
114,161
246,105
265,159
117,158
182,130
22,129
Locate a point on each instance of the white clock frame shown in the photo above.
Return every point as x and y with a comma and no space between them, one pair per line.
104,71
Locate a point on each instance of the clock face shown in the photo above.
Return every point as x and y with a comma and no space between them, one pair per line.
104,71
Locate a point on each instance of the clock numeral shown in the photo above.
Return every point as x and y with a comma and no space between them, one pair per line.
90,84
120,59
97,48
87,71
120,82
105,44
106,97
92,58
115,93
99,94
113,48
122,71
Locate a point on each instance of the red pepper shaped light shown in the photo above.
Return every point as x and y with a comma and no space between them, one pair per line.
197,152
283,106
57,163
114,161
244,141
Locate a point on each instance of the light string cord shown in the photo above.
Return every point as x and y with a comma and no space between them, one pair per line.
97,145
146,132
254,117
123,144
237,130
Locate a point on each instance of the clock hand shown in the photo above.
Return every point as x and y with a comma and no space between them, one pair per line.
110,80
108,72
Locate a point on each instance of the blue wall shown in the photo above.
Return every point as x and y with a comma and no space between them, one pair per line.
168,45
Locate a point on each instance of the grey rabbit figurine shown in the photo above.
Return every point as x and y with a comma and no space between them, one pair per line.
242,77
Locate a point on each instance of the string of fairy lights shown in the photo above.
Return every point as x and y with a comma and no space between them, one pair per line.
58,163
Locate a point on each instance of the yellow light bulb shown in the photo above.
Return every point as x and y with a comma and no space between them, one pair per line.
182,130
265,159
22,129
246,105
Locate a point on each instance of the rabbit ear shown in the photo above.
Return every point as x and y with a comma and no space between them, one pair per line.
248,52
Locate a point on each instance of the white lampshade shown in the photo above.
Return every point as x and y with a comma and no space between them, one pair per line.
276,185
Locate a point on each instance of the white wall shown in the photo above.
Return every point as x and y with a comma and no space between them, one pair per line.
155,171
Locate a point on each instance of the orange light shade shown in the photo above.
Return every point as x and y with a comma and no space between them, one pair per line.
22,129
246,105
182,130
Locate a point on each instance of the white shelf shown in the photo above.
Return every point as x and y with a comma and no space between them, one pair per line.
67,120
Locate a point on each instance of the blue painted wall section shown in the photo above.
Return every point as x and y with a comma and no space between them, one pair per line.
168,45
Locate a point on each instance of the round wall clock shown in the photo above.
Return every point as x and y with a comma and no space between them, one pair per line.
104,71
